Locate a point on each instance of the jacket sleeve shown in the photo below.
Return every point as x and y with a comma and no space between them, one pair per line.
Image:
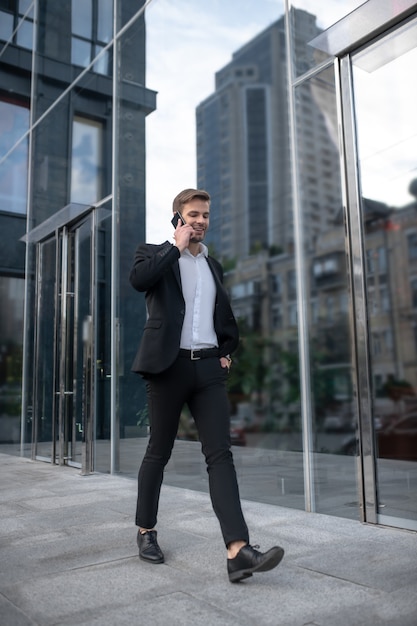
150,264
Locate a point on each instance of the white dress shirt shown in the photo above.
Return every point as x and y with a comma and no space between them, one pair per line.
199,291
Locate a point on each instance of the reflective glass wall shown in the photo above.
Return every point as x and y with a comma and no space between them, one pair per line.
388,183
281,238
16,27
80,67
249,107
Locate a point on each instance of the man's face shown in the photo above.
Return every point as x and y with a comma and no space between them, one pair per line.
196,213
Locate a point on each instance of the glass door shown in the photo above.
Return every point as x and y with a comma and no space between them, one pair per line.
44,433
385,93
65,346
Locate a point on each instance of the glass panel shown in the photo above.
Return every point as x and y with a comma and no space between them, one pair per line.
80,52
387,146
102,65
238,90
90,177
6,25
327,285
131,180
14,122
24,6
44,409
81,337
82,18
11,343
102,329
86,161
105,20
309,19
64,48
24,36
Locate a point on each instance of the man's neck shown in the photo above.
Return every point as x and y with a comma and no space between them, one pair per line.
194,248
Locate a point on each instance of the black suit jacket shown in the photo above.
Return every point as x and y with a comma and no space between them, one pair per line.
156,272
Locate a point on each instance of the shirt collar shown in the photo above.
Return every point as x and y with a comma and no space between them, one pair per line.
203,251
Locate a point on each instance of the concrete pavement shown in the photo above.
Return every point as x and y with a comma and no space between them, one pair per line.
68,556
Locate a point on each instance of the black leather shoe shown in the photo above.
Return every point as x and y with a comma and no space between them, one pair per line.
248,561
149,549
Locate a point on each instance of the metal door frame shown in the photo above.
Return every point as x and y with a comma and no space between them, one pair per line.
355,241
62,227
362,27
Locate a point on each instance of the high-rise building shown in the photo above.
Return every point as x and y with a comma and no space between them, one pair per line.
243,143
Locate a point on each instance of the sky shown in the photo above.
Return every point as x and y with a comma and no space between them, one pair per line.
187,42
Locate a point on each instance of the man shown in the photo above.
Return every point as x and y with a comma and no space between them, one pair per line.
184,356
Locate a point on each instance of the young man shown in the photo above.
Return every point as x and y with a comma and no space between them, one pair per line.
184,356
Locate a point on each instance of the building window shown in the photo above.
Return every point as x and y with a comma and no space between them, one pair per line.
277,317
370,261
86,162
16,22
388,340
376,344
330,309
314,308
11,349
276,284
382,260
413,286
412,246
291,284
344,302
384,298
14,123
92,29
292,314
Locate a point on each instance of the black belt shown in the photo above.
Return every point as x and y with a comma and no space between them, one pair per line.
195,355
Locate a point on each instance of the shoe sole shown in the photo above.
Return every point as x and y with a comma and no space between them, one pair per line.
274,560
153,561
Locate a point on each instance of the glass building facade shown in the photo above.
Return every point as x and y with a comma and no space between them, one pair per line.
306,143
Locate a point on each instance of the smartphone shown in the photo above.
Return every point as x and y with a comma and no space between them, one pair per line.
177,218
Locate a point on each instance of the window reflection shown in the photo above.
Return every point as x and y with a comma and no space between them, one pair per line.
105,20
265,383
86,158
11,344
82,18
328,294
14,122
307,25
387,162
92,28
16,20
24,36
6,25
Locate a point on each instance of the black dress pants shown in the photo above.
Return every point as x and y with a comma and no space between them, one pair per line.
202,385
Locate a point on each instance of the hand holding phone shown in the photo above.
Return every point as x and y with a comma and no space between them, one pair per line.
177,218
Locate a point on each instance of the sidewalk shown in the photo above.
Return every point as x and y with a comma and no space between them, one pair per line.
68,556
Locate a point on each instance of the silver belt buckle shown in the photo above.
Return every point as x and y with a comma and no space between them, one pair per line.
194,358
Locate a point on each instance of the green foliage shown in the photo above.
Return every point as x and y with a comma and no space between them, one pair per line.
274,250
250,371
256,248
229,265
